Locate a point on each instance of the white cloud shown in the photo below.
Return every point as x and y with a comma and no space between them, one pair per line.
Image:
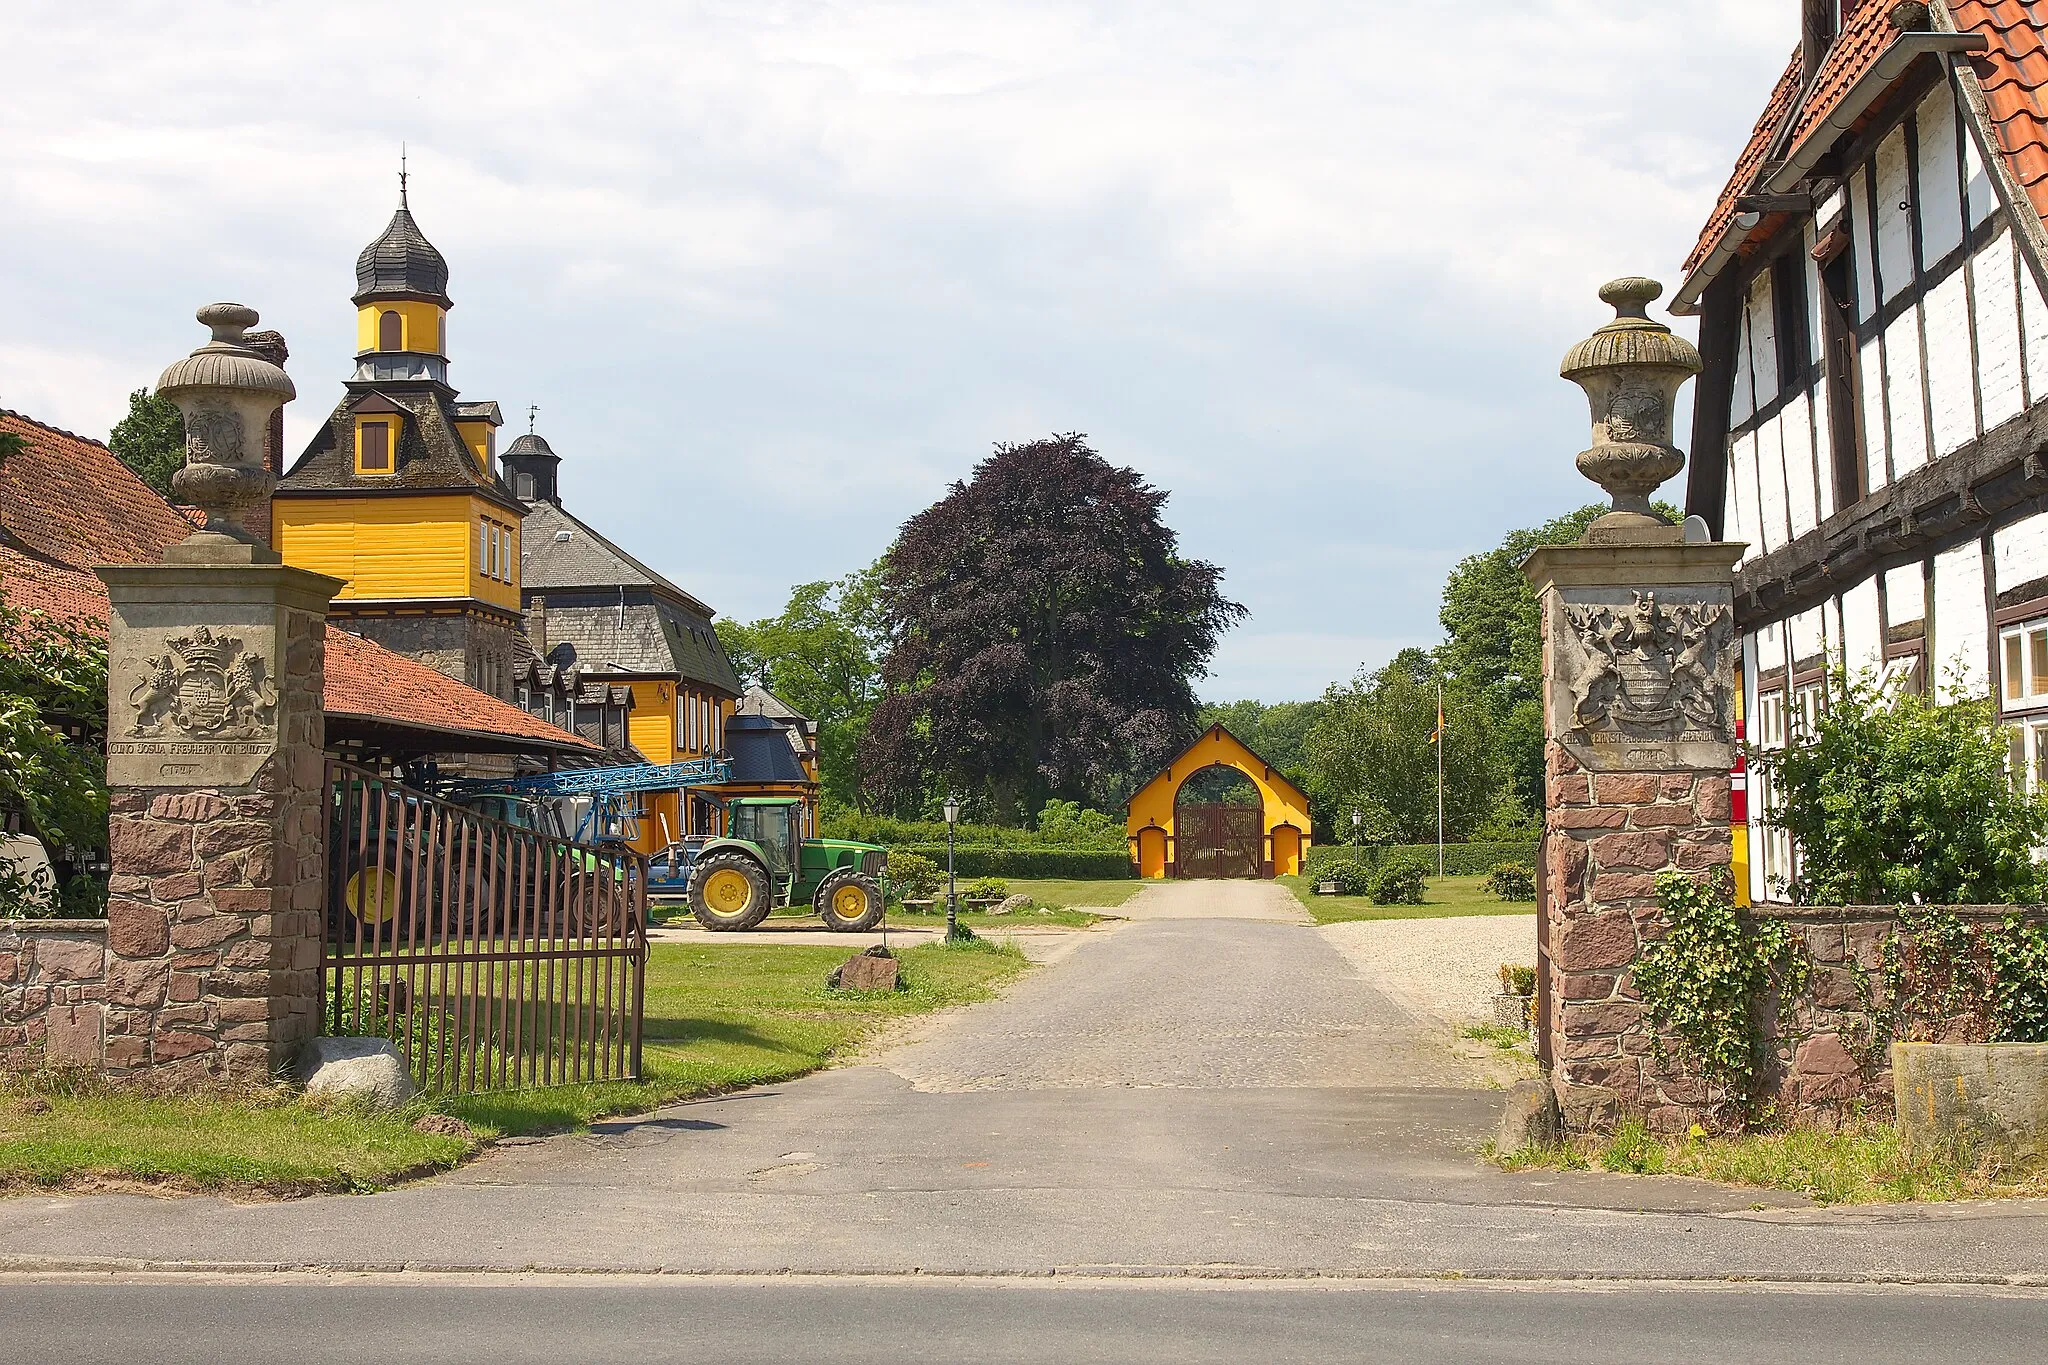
777,270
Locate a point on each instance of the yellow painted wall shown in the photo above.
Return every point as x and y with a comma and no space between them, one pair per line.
492,590
477,436
1153,804
386,547
420,325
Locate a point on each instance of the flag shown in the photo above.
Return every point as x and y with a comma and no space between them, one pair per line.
1436,735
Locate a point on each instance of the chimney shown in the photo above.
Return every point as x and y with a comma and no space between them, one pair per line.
537,627
270,345
1818,22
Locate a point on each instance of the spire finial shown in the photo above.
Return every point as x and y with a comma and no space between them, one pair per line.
401,175
532,411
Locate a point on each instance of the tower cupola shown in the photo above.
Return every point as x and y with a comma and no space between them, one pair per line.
530,467
402,303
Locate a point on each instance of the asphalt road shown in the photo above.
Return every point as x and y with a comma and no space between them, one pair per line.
1211,1090
507,1320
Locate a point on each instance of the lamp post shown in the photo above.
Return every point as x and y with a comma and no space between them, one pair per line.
1357,819
952,896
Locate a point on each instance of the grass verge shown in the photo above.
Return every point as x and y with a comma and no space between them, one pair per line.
719,1017
1443,898
1860,1165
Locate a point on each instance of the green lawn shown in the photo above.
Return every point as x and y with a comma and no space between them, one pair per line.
719,1017
1091,895
1443,898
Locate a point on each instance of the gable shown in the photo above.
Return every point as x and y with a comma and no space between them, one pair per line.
1218,746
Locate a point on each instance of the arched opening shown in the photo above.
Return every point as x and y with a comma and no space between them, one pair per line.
390,331
1219,822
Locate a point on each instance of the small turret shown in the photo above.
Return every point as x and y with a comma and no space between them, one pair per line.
530,467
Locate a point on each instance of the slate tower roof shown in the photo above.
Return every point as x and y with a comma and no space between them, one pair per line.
402,264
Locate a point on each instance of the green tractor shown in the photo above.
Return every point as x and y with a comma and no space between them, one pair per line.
766,864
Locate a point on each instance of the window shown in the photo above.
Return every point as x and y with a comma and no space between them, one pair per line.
1774,845
390,331
1788,304
2024,656
522,484
1807,704
2030,754
373,448
1901,675
441,334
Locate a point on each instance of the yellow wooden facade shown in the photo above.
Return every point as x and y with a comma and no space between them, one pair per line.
481,440
436,545
1150,817
422,326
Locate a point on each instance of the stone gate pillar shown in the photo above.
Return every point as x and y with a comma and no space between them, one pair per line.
215,748
1639,679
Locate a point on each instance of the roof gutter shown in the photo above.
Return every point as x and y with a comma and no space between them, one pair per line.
1860,99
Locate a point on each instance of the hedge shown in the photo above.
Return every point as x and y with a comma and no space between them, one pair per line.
1082,864
1460,860
893,833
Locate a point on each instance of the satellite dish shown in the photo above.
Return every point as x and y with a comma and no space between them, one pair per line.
1696,532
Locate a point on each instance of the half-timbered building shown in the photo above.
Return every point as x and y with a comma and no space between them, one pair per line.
1873,413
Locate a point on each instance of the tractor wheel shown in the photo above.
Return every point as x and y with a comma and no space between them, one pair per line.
849,901
729,891
376,896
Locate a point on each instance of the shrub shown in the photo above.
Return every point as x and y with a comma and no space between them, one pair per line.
914,877
1515,980
1352,879
1400,881
1900,800
1460,860
1081,864
1951,981
1512,881
989,888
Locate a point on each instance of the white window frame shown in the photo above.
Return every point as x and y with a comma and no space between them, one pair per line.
2024,643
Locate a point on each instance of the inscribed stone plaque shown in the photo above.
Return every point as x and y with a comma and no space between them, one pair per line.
1643,679
192,706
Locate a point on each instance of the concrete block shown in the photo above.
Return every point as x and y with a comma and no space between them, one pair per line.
1980,1096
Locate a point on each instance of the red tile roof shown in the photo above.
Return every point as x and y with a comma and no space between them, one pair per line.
68,499
2014,73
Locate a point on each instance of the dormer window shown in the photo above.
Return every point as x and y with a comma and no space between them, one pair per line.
373,447
390,331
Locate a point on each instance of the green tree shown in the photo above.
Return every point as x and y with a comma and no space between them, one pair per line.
1277,733
1493,642
1372,751
1895,800
53,680
150,440
821,655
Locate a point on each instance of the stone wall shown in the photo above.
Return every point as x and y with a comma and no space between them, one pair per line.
1609,836
52,985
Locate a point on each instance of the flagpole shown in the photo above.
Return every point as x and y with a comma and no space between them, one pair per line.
1439,777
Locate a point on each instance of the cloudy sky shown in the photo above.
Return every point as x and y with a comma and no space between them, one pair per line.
776,271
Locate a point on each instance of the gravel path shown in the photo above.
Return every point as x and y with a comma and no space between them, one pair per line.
1446,968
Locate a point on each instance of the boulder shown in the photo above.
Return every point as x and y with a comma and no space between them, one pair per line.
1529,1119
1011,905
368,1071
873,970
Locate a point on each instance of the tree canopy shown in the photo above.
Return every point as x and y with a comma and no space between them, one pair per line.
1045,634
150,440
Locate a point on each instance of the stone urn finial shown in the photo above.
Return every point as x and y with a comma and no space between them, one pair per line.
1631,370
227,394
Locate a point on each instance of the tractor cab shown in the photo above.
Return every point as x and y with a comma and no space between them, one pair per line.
774,826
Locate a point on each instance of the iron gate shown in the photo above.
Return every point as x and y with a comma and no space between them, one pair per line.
1220,840
494,956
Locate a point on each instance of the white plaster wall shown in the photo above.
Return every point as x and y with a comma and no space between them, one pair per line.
1823,449
1994,301
1959,625
1982,195
1743,401
1904,395
1805,636
1752,664
1763,331
1741,520
1795,435
1905,595
1862,641
1941,194
1770,463
1894,225
1951,393
1875,446
1863,239
2019,552
2034,331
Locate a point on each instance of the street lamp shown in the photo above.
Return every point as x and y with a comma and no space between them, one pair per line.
952,896
1356,820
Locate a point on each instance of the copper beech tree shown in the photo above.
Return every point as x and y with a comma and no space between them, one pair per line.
1045,635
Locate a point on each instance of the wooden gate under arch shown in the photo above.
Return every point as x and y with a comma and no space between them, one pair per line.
1205,839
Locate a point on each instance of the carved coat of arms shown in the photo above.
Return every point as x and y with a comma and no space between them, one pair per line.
1650,668
206,686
